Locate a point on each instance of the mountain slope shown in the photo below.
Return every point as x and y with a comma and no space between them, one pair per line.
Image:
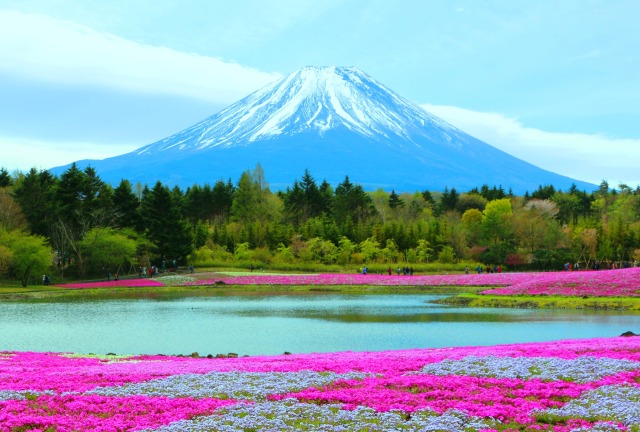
335,122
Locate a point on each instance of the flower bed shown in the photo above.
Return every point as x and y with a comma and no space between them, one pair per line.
604,283
474,279
619,283
571,385
114,283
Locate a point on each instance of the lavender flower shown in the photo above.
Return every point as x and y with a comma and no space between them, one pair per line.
616,402
291,415
581,369
229,385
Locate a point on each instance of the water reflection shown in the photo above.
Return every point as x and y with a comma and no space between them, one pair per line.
265,324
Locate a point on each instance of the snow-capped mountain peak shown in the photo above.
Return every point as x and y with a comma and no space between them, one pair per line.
311,99
333,121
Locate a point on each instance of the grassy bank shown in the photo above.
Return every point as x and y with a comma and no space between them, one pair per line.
41,293
545,302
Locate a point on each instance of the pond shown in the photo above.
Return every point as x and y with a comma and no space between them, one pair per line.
273,324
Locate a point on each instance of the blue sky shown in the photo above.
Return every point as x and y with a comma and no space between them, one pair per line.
555,83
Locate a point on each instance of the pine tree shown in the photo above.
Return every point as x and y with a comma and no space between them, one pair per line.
126,204
165,227
35,194
395,201
5,178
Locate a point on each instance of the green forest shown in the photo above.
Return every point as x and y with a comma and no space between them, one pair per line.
77,226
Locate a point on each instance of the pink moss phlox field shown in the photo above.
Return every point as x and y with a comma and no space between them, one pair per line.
473,279
503,399
608,283
58,391
143,282
91,412
605,283
622,282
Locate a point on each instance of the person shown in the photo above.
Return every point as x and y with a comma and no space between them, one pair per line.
466,270
390,271
108,276
191,268
116,277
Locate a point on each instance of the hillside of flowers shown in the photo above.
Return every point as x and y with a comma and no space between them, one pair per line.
571,385
621,282
607,283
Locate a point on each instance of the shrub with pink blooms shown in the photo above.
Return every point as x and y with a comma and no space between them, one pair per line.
571,385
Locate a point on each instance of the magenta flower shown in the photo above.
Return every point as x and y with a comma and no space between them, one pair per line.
40,391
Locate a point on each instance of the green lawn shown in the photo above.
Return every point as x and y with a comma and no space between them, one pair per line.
546,302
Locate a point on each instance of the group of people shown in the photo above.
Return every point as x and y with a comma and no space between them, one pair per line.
153,270
571,267
488,269
116,277
406,271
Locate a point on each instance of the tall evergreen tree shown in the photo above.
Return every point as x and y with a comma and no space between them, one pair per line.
222,196
394,200
449,200
35,194
165,226
126,204
246,199
5,178
352,204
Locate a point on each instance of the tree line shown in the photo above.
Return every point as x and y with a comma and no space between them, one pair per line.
81,226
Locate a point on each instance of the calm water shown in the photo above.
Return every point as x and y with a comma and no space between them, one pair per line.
274,324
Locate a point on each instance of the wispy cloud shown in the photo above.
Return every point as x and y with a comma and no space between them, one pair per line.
38,47
590,158
24,153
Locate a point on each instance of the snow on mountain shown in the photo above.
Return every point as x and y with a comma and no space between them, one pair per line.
334,121
311,99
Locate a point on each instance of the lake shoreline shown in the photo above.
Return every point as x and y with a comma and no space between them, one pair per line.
460,296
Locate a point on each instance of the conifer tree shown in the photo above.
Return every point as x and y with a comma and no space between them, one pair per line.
164,225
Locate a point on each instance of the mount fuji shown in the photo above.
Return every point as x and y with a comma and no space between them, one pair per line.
333,121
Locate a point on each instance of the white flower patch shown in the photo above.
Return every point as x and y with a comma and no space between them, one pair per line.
21,394
11,395
600,427
174,280
615,402
106,358
229,385
291,415
581,369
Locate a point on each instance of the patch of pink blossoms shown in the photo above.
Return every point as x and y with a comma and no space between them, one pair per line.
603,283
606,283
67,393
143,282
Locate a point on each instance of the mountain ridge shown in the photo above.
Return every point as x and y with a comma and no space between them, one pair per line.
334,121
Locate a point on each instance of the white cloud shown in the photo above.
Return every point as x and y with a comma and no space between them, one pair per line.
23,154
38,47
590,158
